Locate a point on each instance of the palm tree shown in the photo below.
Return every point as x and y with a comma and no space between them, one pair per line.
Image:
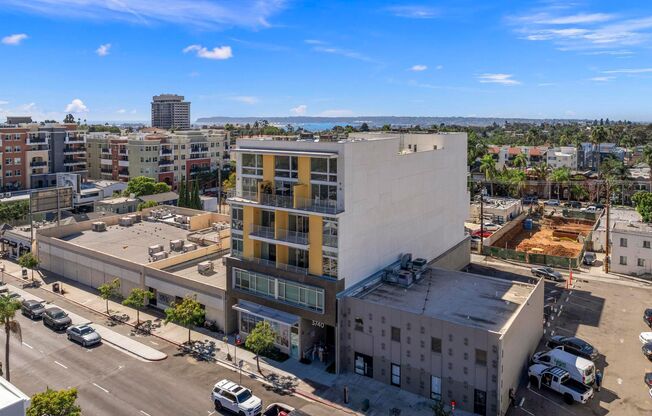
598,136
488,168
647,158
8,308
541,174
560,175
520,161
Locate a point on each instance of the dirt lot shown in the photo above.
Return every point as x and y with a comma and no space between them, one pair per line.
542,241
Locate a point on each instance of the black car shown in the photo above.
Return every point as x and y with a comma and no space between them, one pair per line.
647,317
547,273
648,379
575,346
32,308
573,204
647,350
56,319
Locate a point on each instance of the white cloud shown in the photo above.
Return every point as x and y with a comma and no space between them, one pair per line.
504,79
299,110
220,53
133,111
14,39
629,71
103,50
245,99
414,12
76,106
194,74
574,19
601,79
418,68
2,102
206,14
313,42
344,52
121,111
439,67
336,113
28,107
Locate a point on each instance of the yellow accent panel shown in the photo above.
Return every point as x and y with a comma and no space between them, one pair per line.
304,173
281,221
301,193
268,168
316,241
282,254
247,220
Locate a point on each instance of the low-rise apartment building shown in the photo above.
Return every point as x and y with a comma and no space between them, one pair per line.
165,157
505,155
449,336
631,248
311,218
562,157
172,252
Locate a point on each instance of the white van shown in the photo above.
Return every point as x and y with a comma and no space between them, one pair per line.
579,368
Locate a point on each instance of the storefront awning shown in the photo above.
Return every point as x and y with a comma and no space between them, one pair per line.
266,313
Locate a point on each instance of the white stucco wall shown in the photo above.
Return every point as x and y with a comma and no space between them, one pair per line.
633,252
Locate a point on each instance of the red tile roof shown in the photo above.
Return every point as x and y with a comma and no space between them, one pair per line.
514,151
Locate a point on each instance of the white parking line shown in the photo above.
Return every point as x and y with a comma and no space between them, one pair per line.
28,346
155,343
551,401
526,411
145,413
57,362
101,388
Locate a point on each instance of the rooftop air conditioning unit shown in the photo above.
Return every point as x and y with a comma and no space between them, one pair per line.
205,267
155,249
99,226
159,256
176,245
126,221
419,264
136,217
189,247
405,278
182,219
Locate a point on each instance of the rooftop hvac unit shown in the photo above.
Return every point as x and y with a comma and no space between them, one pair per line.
419,264
176,245
405,278
99,226
155,249
126,221
136,218
182,219
159,256
405,259
189,247
205,267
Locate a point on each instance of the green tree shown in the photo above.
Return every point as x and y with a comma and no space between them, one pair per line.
182,194
488,168
439,410
28,261
54,403
14,211
142,185
260,340
364,127
520,161
109,291
69,118
643,202
138,298
598,136
195,199
8,308
147,204
229,183
186,313
187,195
540,172
647,158
560,176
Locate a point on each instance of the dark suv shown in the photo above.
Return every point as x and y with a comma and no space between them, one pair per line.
32,308
56,319
647,317
575,346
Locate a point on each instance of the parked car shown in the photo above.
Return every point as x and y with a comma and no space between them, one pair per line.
580,369
280,409
573,204
484,234
547,273
32,308
231,396
645,337
647,317
599,206
647,378
527,200
589,258
552,203
559,380
84,334
647,350
592,209
575,346
56,319
490,226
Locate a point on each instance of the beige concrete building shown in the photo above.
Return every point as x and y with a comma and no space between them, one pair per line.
450,336
173,252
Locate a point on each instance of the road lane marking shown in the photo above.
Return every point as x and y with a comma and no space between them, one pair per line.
551,401
57,362
155,343
145,413
526,411
101,388
28,346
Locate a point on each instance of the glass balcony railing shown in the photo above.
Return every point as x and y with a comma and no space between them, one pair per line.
325,206
329,240
272,263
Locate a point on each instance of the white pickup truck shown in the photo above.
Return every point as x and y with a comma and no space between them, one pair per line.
558,379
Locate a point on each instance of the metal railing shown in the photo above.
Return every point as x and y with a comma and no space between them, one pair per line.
326,206
274,264
36,163
280,234
329,240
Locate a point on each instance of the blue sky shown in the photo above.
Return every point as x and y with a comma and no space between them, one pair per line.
104,59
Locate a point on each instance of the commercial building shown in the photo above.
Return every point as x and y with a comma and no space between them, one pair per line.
170,111
496,210
311,218
165,157
562,157
13,402
173,252
449,336
117,205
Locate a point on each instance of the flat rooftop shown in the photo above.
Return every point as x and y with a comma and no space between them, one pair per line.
129,243
633,227
188,270
457,297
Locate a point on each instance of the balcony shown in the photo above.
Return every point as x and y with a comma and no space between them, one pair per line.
275,264
330,241
165,162
109,171
70,150
288,202
106,162
166,151
74,139
35,140
286,237
73,161
37,163
198,149
106,150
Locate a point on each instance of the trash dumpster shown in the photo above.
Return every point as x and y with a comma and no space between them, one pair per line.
55,287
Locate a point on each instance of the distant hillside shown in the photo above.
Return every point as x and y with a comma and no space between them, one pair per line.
378,121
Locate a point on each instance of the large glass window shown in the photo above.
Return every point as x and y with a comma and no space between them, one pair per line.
250,186
330,264
236,218
252,164
298,257
322,169
330,232
286,166
237,245
324,192
435,388
281,332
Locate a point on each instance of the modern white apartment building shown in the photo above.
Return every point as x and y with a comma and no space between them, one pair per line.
562,157
311,218
631,248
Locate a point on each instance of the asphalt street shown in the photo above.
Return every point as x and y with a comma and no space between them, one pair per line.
112,382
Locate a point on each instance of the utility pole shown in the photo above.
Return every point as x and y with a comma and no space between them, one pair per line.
606,249
482,191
